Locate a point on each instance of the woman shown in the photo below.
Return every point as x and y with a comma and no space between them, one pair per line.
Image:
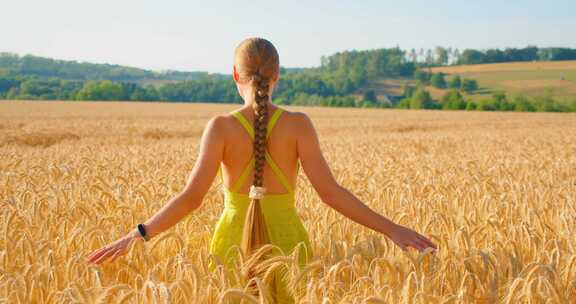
260,145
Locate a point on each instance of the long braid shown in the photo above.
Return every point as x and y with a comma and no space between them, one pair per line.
260,107
254,233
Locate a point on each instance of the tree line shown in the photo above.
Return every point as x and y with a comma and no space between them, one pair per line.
340,75
335,82
441,56
356,65
420,98
30,65
203,89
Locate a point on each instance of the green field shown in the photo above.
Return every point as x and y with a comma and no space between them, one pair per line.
557,78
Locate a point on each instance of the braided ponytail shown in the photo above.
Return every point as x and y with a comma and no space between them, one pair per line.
254,233
257,63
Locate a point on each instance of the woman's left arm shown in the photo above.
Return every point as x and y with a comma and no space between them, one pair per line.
190,198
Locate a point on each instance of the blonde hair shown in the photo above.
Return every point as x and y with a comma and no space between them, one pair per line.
257,63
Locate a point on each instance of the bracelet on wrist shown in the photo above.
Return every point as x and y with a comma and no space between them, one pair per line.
142,232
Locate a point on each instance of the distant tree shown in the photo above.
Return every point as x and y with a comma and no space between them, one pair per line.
494,55
404,103
441,55
546,103
13,93
486,104
7,82
370,96
469,85
438,81
323,61
523,104
450,53
414,55
453,100
152,93
422,77
471,56
148,93
101,90
470,106
455,56
407,90
421,100
429,58
501,103
557,54
455,82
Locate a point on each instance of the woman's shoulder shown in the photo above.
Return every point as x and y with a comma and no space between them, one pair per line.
293,120
298,119
296,116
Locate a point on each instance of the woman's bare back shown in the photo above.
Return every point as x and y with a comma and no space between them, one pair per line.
282,146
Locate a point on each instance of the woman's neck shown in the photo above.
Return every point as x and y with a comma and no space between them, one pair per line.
249,102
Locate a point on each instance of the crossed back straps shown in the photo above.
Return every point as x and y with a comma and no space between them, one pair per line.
248,169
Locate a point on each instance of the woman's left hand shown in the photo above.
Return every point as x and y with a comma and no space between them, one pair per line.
114,249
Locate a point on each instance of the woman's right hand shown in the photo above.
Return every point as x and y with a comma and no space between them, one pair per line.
113,250
406,237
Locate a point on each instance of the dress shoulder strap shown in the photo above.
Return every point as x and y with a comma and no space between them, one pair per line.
244,122
275,169
272,121
250,129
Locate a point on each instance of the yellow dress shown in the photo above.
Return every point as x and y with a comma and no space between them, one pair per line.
285,229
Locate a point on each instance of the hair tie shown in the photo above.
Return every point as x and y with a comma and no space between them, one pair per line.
261,93
257,192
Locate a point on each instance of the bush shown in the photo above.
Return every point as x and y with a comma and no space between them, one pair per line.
455,82
486,105
422,77
438,81
471,106
523,104
102,90
469,85
501,102
407,90
404,103
546,104
453,100
370,96
422,100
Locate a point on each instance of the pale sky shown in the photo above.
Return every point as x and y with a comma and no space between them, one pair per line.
201,35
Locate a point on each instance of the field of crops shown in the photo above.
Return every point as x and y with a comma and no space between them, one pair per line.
496,192
557,78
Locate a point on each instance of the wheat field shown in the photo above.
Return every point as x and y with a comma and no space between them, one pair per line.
495,191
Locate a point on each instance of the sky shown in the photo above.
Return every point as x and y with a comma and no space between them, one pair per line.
194,35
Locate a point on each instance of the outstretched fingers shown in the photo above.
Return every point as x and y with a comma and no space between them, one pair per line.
105,256
427,242
420,243
417,244
96,254
116,255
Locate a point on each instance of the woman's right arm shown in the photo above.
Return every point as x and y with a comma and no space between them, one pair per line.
341,199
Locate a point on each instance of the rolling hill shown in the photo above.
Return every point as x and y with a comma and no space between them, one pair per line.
528,78
29,65
384,72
